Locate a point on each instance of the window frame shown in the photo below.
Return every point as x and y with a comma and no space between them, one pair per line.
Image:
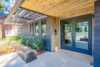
45,22
35,28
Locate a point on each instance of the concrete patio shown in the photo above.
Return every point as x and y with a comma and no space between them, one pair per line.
62,58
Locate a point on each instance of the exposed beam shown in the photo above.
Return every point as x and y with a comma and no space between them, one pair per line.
27,15
20,11
34,11
34,15
15,7
42,17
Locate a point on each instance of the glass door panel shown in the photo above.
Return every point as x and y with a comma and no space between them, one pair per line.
81,29
76,34
67,42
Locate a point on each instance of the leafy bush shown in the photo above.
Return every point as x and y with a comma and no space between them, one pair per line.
8,42
35,43
2,38
15,38
16,42
38,44
7,49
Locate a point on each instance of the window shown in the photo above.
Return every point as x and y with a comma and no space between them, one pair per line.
31,29
36,29
43,28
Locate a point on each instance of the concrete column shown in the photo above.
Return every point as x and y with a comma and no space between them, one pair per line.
55,33
96,53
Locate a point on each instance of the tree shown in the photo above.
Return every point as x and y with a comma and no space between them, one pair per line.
2,7
7,0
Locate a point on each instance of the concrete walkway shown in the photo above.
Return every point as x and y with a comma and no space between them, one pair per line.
2,43
61,58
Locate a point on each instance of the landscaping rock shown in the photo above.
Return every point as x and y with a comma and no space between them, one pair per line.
26,53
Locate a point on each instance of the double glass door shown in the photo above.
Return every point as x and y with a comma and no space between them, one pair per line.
76,35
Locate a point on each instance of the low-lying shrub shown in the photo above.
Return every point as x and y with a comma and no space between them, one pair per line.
38,44
16,42
35,43
3,39
7,49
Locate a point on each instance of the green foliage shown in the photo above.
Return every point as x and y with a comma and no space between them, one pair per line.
8,42
35,43
15,38
7,49
38,44
3,39
16,42
44,34
85,37
2,6
7,0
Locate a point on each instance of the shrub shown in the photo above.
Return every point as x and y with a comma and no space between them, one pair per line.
29,42
16,42
38,44
35,43
3,39
7,49
15,38
8,42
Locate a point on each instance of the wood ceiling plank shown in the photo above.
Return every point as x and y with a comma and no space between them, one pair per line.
58,8
73,9
70,7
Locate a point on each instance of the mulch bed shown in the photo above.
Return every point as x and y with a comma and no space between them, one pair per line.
40,52
12,50
3,51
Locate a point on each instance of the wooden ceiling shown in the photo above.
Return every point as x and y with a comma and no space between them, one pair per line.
60,8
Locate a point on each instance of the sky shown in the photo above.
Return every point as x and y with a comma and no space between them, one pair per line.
8,5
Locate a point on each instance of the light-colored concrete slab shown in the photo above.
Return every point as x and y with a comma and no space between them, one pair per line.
2,43
47,59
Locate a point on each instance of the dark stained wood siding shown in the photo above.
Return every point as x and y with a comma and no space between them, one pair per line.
97,35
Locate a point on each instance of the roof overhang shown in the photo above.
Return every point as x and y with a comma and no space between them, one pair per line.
60,8
22,16
55,8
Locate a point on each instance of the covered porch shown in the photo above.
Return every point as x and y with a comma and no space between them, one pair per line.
30,15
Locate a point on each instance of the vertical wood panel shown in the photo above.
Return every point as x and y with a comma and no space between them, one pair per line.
97,35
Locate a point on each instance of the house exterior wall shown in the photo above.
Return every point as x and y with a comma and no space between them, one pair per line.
55,33
96,53
23,29
7,30
1,31
52,38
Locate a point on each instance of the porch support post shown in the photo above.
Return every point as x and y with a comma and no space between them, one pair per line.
40,32
96,53
55,33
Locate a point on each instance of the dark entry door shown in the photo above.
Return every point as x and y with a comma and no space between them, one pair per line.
77,34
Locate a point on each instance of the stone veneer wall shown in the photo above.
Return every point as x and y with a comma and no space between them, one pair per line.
23,29
6,27
52,38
